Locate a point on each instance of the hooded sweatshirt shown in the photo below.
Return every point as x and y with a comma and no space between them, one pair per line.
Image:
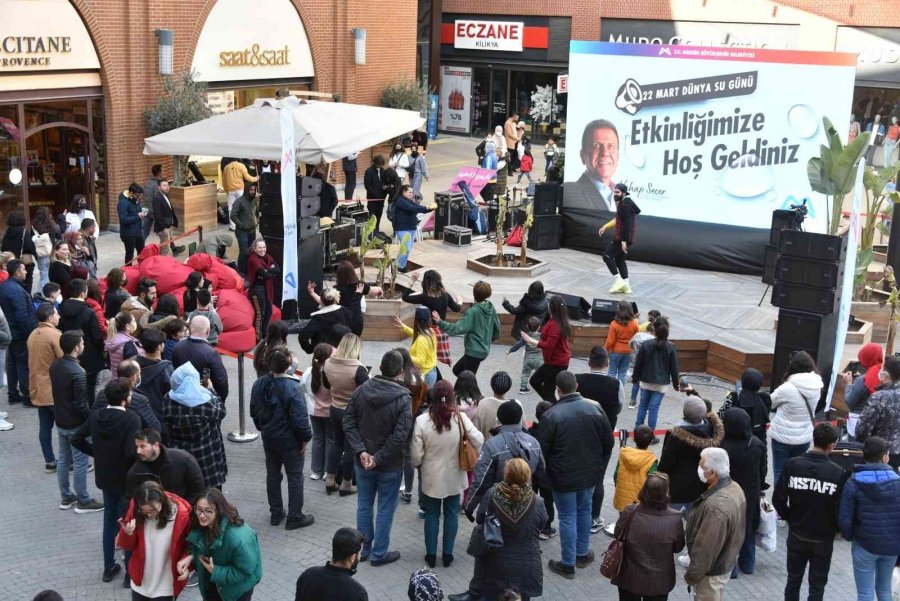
747,457
757,404
480,325
108,436
155,383
794,403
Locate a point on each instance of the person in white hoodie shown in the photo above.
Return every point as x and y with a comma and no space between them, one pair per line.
794,403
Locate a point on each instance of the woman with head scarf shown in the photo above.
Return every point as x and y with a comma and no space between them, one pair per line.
517,564
193,414
860,386
757,404
748,461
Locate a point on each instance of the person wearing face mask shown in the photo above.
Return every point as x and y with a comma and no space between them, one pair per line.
334,580
399,162
882,415
715,528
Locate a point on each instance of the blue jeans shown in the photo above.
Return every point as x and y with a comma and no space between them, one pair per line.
244,239
404,256
872,574
386,486
45,432
44,267
650,402
114,506
433,523
781,453
746,560
635,388
618,366
17,372
68,453
574,511
431,377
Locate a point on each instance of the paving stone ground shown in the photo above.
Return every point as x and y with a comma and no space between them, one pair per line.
44,547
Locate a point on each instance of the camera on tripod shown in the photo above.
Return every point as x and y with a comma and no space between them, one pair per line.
799,213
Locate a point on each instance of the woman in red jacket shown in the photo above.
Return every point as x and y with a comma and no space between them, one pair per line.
261,272
554,345
155,532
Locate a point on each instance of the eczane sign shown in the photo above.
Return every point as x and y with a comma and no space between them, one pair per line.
489,35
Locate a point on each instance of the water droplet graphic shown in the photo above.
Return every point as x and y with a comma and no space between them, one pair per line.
744,180
803,120
635,154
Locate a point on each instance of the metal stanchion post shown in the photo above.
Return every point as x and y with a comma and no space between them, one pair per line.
241,435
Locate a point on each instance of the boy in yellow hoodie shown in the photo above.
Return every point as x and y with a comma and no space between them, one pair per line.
635,464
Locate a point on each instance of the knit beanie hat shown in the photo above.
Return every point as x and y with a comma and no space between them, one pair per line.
423,315
509,413
501,382
424,586
622,188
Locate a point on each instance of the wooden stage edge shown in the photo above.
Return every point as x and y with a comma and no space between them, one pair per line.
716,325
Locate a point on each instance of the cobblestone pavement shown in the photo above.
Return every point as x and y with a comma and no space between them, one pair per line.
44,547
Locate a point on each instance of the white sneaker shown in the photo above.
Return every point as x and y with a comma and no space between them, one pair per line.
781,523
610,530
3,414
625,288
5,425
315,476
617,285
597,525
684,561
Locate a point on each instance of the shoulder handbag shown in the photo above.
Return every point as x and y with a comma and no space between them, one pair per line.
486,535
615,553
468,456
23,256
43,245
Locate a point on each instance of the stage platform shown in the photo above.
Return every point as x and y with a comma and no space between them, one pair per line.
716,324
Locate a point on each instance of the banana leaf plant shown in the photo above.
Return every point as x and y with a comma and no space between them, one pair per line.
833,172
366,243
878,202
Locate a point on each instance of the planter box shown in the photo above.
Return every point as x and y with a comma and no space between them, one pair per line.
877,314
380,315
195,205
860,332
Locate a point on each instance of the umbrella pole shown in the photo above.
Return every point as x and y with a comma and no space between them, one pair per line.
241,435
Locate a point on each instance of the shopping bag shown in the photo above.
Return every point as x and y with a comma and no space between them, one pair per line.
767,533
895,585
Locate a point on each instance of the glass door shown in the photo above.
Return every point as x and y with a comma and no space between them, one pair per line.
500,97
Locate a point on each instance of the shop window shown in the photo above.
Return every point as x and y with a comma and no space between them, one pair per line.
523,87
10,194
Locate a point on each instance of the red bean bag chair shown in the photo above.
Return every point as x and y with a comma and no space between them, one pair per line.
242,341
215,270
133,278
235,310
276,314
178,293
151,250
168,272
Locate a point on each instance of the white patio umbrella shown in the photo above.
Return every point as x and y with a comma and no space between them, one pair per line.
322,131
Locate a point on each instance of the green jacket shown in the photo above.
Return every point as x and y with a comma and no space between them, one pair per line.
235,555
480,325
243,214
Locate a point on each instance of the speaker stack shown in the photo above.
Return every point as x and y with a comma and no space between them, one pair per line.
451,210
807,288
310,254
577,307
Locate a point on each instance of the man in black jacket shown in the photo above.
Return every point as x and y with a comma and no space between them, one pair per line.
164,219
108,437
334,580
610,394
624,226
577,442
176,470
197,349
70,410
155,373
808,497
278,410
17,306
377,426
75,314
376,189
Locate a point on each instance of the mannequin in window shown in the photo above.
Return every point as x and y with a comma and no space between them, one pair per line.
854,129
890,142
877,128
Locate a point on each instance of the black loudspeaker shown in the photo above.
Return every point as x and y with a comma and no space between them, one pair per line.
796,270
808,245
604,310
799,297
444,200
310,262
270,204
270,184
769,264
309,186
545,232
309,206
577,307
547,198
801,331
782,219
271,225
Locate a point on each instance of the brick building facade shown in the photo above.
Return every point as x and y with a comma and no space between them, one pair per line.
127,81
502,80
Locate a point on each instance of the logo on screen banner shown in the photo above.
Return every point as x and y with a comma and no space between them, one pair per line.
665,51
290,280
489,35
